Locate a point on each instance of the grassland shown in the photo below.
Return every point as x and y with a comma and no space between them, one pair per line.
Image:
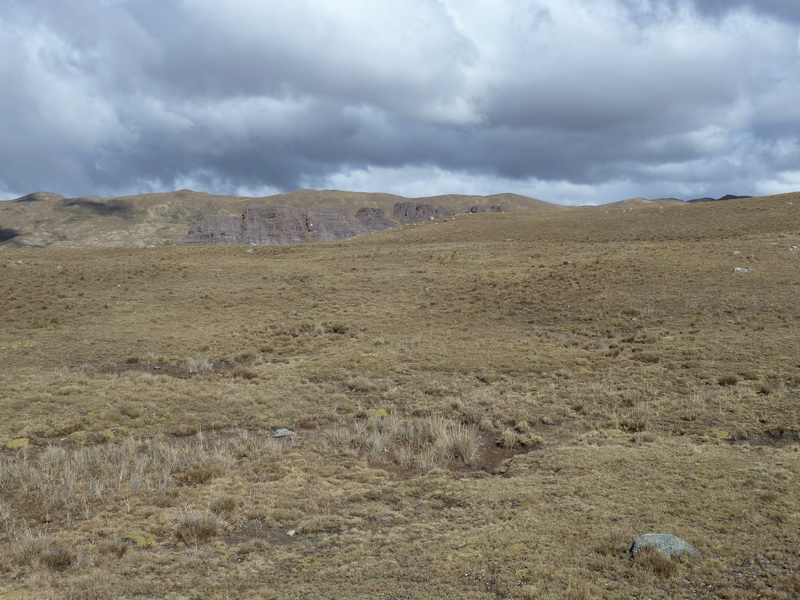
491,406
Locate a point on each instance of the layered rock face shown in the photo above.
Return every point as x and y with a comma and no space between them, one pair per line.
410,212
274,224
374,219
328,224
279,224
219,229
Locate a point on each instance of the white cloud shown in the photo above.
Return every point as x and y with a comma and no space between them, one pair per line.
422,181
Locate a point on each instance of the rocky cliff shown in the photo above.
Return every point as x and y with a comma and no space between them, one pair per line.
374,219
409,212
280,224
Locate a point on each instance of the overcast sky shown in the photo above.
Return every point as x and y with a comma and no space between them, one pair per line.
569,101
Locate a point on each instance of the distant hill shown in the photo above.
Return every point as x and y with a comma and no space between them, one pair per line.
46,219
641,202
726,197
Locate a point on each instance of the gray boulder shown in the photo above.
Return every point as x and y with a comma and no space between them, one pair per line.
663,542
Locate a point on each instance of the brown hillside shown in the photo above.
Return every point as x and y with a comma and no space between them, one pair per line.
642,202
45,219
489,406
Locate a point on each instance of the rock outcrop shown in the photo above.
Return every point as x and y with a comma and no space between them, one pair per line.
218,229
662,542
274,224
374,219
483,209
409,212
328,224
280,224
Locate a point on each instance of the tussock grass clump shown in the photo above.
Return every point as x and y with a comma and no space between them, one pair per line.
647,357
657,563
41,550
117,547
66,482
423,443
194,527
198,364
512,439
224,505
365,385
728,379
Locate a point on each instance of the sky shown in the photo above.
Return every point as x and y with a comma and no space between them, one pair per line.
569,101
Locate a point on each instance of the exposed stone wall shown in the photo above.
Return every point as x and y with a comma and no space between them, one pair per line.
218,229
328,224
274,224
280,224
410,212
374,219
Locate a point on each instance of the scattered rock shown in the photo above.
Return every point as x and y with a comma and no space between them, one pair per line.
663,542
283,432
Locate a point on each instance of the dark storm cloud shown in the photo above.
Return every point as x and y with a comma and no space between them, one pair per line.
568,100
782,9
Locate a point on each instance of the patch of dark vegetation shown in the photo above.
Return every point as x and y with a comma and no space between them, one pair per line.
7,234
112,208
725,197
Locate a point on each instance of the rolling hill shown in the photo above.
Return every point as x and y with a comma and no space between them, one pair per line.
45,219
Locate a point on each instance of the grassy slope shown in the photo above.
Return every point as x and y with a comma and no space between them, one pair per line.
657,390
42,219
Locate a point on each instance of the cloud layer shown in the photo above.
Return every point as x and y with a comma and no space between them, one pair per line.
572,101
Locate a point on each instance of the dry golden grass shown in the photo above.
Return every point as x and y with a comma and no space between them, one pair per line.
488,407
